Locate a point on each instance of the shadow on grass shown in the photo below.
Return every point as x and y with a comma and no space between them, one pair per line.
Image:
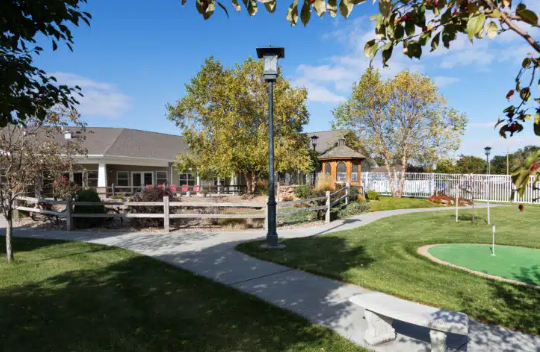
140,304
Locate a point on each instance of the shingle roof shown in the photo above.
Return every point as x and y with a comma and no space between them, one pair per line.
110,141
341,151
327,139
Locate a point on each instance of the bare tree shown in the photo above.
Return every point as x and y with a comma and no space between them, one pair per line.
27,152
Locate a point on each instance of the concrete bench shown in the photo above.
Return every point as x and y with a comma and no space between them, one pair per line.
381,309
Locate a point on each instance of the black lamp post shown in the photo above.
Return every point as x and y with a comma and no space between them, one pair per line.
270,55
314,140
488,151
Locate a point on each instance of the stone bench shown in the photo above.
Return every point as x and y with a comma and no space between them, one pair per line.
381,309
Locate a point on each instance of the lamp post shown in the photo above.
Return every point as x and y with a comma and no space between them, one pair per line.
270,56
488,151
314,140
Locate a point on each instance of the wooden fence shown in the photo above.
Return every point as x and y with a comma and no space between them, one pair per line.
166,204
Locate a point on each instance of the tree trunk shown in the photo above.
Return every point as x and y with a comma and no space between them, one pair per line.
9,230
253,182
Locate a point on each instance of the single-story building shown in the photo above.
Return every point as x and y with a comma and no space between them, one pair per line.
126,160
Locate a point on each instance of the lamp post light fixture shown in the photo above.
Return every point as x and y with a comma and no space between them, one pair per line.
488,151
270,56
314,140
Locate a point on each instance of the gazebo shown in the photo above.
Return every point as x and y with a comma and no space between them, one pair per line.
343,164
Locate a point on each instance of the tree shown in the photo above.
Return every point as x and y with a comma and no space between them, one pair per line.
446,166
26,91
224,120
412,25
469,164
403,117
28,152
498,164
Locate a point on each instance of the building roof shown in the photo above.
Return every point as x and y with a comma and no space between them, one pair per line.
125,142
327,139
341,151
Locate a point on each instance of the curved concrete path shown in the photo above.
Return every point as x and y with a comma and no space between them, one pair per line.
320,300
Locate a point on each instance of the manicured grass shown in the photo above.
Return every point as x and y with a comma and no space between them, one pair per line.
383,256
67,296
389,203
515,263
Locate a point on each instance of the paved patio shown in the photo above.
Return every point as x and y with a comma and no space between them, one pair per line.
320,300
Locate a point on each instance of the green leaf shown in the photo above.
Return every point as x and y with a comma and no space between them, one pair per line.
424,38
414,49
332,7
270,6
537,124
409,28
385,7
399,32
525,94
435,41
54,45
305,14
492,30
345,8
236,6
292,13
475,25
495,14
526,63
528,16
387,52
252,7
503,130
320,7
368,48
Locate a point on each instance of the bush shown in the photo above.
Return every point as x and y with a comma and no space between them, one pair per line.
360,198
353,193
88,195
150,194
373,195
303,191
354,208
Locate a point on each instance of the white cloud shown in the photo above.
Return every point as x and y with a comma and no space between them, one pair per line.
99,98
443,81
318,93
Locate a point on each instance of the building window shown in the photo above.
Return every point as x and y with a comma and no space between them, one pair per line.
122,178
354,173
327,169
341,174
187,179
161,177
92,179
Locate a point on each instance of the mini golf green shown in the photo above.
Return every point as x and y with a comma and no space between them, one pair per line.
514,263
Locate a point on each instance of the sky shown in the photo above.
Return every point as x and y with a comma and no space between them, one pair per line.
137,55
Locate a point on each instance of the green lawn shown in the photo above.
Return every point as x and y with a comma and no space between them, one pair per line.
382,256
68,296
389,203
510,262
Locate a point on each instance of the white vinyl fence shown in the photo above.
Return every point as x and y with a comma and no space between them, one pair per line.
497,188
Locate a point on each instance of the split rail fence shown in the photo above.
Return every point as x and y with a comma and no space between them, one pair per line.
166,204
496,188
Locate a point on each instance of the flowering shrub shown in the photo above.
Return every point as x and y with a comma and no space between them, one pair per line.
64,188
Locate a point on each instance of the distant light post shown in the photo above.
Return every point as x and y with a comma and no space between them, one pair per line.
314,140
270,56
488,151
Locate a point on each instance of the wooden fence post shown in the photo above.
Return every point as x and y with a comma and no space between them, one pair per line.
347,193
166,218
15,211
327,219
69,218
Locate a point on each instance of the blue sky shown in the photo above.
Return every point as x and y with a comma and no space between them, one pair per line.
138,54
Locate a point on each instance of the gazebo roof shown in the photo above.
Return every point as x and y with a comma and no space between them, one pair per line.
341,151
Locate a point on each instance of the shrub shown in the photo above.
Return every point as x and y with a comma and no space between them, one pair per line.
360,198
353,208
88,195
373,195
150,194
324,183
353,193
64,188
303,191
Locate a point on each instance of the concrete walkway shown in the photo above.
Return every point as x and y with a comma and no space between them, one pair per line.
320,300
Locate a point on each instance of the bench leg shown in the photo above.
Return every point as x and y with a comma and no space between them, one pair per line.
438,341
379,328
